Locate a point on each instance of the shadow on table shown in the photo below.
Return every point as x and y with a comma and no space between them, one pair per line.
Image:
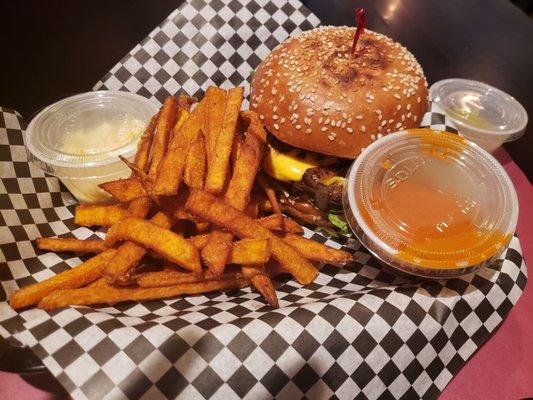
46,382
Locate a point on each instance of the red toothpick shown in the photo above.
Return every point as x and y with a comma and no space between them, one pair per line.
360,18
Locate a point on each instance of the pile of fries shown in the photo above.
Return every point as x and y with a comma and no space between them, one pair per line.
196,215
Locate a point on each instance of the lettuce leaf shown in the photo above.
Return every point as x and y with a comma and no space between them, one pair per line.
339,221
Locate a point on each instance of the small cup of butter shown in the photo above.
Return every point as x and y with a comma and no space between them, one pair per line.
482,114
430,203
79,139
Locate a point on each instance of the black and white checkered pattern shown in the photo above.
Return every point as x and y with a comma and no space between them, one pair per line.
357,331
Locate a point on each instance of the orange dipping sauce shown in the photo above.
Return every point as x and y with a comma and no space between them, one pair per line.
429,203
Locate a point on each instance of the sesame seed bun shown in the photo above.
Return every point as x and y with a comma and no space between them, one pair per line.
311,94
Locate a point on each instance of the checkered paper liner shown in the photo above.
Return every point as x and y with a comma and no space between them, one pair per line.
357,331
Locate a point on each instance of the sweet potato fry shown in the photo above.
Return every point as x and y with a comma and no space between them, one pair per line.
270,193
78,276
129,254
173,164
273,222
167,119
163,241
107,215
264,285
142,157
109,294
100,215
71,244
218,212
185,102
218,167
216,251
124,189
238,192
315,251
262,202
250,251
194,174
170,276
215,99
139,207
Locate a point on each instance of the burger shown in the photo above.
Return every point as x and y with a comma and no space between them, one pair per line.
323,105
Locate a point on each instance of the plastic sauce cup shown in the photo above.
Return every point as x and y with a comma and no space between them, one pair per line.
79,139
430,203
482,114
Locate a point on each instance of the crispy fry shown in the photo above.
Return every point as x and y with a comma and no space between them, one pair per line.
78,276
270,193
98,283
273,222
124,189
185,102
167,119
262,202
107,215
142,157
315,251
171,171
163,241
109,294
139,207
99,215
218,212
129,254
218,167
215,99
170,276
71,244
264,285
250,251
194,174
238,192
216,251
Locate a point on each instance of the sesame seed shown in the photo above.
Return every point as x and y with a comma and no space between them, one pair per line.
275,108
408,106
383,123
331,137
274,91
262,117
344,115
308,130
399,107
332,122
298,126
350,130
372,137
282,120
274,117
327,121
391,121
363,128
396,95
415,118
359,117
324,129
320,120
380,135
276,126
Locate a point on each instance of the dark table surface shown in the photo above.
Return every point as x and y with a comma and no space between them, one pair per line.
56,48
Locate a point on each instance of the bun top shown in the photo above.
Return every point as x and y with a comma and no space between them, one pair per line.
313,94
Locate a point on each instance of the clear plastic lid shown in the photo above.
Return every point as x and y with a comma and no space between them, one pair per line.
87,130
479,106
426,199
